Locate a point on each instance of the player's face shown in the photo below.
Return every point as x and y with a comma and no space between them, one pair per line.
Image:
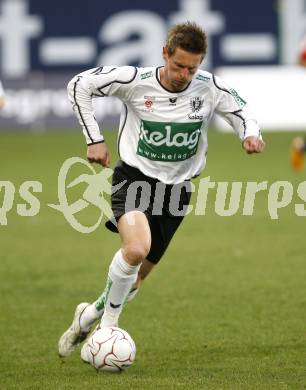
179,68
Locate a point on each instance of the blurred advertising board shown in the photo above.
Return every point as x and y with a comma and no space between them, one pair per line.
40,102
36,35
43,46
277,95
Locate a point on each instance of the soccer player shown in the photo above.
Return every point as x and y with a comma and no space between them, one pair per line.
298,145
162,143
1,95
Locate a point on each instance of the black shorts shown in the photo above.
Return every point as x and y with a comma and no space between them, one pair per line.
164,205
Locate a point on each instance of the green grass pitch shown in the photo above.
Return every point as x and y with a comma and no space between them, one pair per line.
225,308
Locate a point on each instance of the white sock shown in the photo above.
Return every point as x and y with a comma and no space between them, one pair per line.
122,277
91,313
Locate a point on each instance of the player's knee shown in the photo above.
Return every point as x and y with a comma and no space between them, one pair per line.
135,253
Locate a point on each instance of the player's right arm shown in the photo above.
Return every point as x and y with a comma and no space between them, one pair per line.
98,82
98,153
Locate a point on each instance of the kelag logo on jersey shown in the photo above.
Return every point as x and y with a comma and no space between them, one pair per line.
164,141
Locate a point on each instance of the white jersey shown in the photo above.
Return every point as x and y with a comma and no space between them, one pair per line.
162,133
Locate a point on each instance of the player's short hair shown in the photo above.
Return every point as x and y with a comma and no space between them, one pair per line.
187,36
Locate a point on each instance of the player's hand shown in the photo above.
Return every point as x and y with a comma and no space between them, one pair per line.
98,153
253,145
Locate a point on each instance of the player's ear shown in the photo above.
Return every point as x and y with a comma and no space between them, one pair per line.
165,53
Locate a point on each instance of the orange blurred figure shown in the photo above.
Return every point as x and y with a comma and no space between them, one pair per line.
298,145
302,53
297,155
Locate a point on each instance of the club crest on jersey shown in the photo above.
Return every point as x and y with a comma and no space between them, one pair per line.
196,104
148,104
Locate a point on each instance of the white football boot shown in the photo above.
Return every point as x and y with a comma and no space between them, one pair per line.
74,335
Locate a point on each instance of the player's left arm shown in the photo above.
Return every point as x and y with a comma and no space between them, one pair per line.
236,112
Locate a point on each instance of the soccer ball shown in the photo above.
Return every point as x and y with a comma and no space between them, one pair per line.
111,349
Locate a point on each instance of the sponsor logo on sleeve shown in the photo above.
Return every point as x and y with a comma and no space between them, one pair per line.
202,78
146,75
241,103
